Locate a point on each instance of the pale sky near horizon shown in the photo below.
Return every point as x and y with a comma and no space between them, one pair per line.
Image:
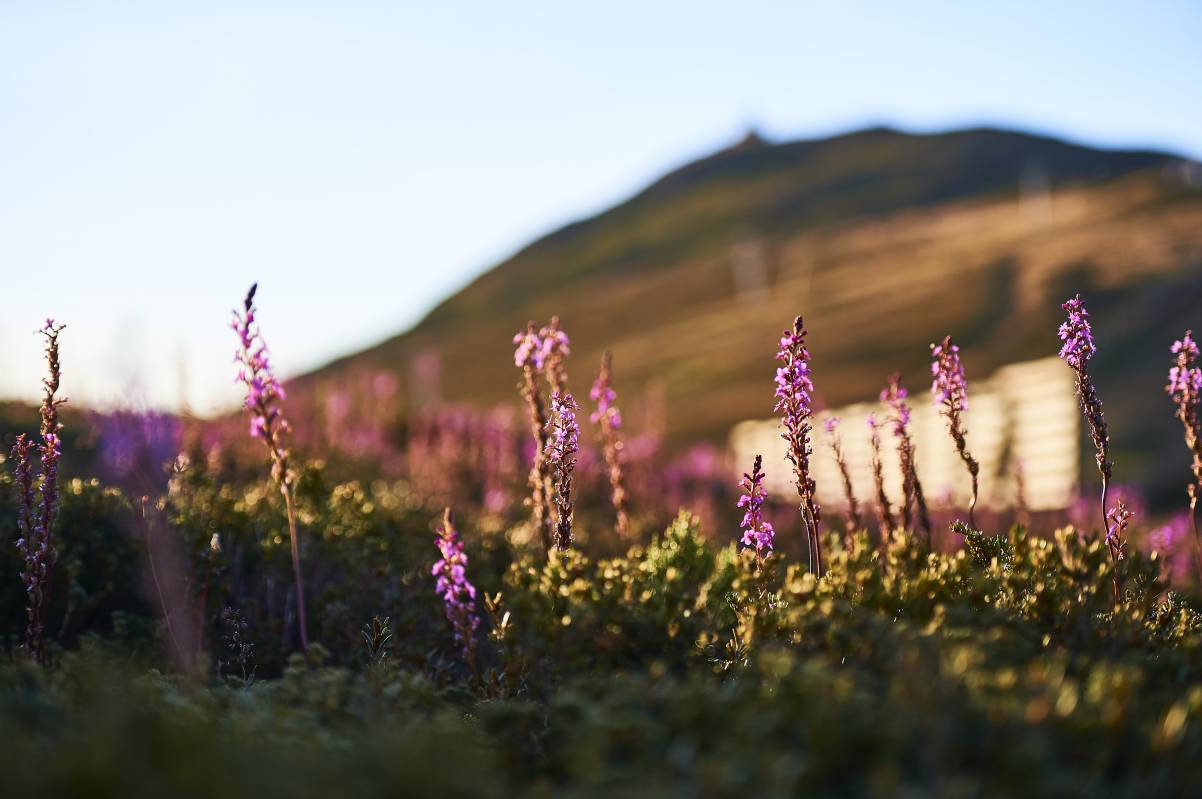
362,160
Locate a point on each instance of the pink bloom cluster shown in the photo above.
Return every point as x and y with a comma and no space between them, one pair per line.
794,385
1075,332
757,531
564,441
553,343
949,384
1185,377
263,390
602,393
528,349
894,395
451,583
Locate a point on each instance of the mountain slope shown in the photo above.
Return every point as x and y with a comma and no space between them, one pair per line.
884,240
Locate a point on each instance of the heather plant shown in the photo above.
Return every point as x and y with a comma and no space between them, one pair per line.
529,357
1077,351
563,443
853,521
267,423
794,391
914,503
950,388
608,419
1185,389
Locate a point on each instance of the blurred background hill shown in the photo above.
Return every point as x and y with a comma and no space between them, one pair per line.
884,240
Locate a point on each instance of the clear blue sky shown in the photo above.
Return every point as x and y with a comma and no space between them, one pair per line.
364,159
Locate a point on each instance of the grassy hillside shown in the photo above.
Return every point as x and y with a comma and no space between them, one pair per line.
883,240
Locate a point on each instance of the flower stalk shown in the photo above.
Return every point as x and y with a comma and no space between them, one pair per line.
35,522
853,521
563,442
794,397
950,388
1077,351
757,531
914,502
1116,541
1185,390
264,393
609,420
457,592
528,356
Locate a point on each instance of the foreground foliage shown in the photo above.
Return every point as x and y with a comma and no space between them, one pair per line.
680,668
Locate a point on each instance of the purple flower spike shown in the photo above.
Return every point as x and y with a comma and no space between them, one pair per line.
528,349
794,398
757,531
950,388
1078,350
894,396
554,346
451,583
609,419
1185,390
528,356
267,423
38,498
949,385
562,445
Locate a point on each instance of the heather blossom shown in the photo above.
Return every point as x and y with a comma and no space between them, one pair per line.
529,357
950,388
451,583
554,350
1185,389
894,395
1077,351
794,398
757,531
609,420
563,442
831,425
263,396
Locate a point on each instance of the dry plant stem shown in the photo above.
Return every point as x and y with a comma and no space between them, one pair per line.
884,513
